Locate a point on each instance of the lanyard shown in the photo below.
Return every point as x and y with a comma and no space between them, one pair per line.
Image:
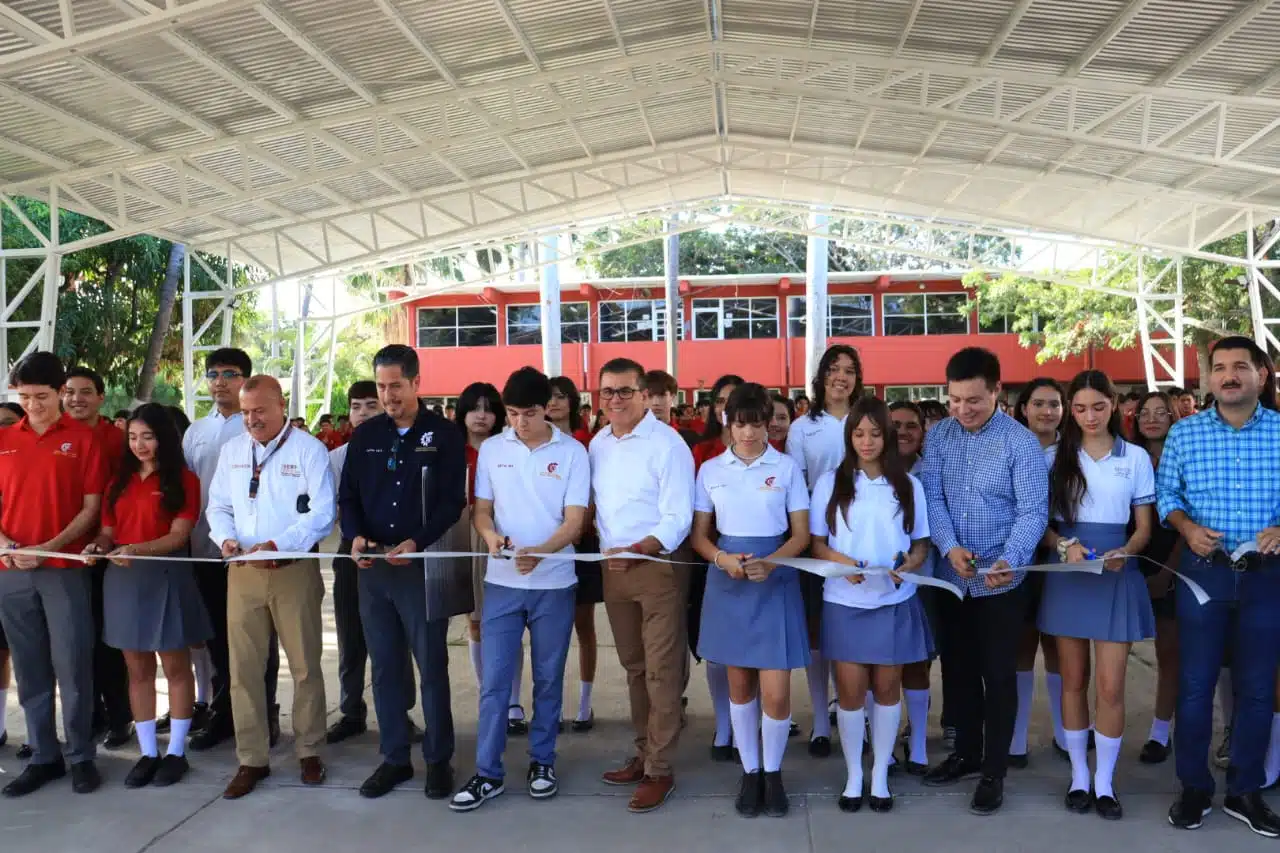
255,481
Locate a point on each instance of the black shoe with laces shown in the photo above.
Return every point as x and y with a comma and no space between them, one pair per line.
1190,809
384,780
85,778
1153,752
439,781
171,770
34,777
750,794
542,781
952,769
988,797
345,727
475,793
143,772
1253,812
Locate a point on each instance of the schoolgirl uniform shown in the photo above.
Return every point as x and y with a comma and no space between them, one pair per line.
703,452
1111,606
152,605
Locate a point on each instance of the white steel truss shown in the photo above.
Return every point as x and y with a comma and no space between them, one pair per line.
28,317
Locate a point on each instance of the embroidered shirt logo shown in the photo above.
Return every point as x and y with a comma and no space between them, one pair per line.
66,446
425,441
770,485
551,470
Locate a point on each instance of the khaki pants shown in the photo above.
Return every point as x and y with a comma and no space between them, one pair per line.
647,606
288,598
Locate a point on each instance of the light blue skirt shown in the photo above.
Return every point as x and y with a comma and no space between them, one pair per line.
754,625
1113,606
877,636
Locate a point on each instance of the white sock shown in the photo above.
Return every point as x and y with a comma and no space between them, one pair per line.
147,738
1078,749
774,734
884,734
202,663
1226,699
178,736
1026,693
918,718
852,727
718,687
4,695
746,731
819,672
1159,731
584,701
1107,750
1053,685
1271,764
473,646
515,712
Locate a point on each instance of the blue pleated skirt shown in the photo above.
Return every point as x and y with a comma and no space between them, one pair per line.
153,606
877,636
1113,606
749,624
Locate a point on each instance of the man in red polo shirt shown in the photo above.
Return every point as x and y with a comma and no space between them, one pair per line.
51,483
83,397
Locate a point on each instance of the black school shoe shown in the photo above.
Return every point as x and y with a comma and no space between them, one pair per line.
1079,801
1154,752
989,796
1190,809
143,772
750,794
1252,811
775,796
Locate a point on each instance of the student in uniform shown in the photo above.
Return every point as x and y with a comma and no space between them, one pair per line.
784,412
870,512
934,413
1097,483
153,607
663,391
753,621
533,484
565,415
816,442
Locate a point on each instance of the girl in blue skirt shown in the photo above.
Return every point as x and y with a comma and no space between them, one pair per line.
870,512
750,507
1098,484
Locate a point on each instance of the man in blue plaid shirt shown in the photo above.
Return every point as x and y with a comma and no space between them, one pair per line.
1218,485
988,495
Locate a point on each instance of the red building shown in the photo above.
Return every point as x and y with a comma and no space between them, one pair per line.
905,326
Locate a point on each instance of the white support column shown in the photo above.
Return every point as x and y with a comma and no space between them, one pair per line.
275,329
671,295
1266,328
188,366
1160,324
815,298
333,345
549,297
49,302
28,320
298,396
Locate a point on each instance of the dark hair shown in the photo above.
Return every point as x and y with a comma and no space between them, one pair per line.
659,382
934,409
1067,484
749,403
1024,396
365,389
526,388
1141,440
82,372
1132,397
16,408
615,366
469,400
891,464
169,460
230,357
974,363
820,378
908,406
180,419
123,414
326,418
711,429
802,396
565,386
1258,356
786,401
38,368
398,355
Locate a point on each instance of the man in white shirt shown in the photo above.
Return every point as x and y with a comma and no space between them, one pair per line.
225,370
533,484
273,491
642,483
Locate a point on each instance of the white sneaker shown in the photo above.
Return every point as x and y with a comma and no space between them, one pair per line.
474,794
542,781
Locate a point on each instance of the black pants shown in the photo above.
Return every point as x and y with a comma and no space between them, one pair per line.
111,707
979,663
353,653
212,581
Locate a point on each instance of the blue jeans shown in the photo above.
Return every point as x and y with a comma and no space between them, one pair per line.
548,614
1243,614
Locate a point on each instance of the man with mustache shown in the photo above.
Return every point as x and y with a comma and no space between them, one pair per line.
1218,485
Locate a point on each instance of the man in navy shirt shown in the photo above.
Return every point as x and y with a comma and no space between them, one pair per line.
403,487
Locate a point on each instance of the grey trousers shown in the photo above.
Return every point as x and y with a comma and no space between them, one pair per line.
48,619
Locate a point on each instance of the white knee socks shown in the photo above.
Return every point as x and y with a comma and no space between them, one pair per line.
819,672
852,728
202,663
1022,723
178,736
1053,686
146,730
1108,752
584,701
918,719
1159,731
884,733
746,731
1078,749
774,734
718,687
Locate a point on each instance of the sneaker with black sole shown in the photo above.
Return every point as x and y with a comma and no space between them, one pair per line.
776,803
1190,809
1154,752
142,772
542,781
1253,812
476,793
171,770
750,794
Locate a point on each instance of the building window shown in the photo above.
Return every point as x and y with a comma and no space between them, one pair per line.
735,319
524,323
469,326
848,316
635,320
914,393
926,313
1001,325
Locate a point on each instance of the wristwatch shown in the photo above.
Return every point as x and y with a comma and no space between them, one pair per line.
1064,544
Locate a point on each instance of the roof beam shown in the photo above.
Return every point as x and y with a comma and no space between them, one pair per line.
304,43
1203,48
1122,19
1010,24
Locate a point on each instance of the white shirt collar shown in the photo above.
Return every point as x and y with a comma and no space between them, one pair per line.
769,457
509,434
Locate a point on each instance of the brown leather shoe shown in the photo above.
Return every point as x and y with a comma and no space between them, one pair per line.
313,770
628,774
652,792
245,780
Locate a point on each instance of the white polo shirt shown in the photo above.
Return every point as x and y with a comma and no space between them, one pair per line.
873,533
201,444
751,499
642,484
1122,479
530,490
816,446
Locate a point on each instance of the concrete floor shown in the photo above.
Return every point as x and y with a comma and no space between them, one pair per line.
588,816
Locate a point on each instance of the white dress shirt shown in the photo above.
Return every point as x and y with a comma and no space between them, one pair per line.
293,464
642,484
201,445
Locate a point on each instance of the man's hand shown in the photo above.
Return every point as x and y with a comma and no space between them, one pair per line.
264,546
961,560
648,547
408,546
525,564
27,562
619,565
230,548
1202,540
1269,540
359,547
120,556
1000,575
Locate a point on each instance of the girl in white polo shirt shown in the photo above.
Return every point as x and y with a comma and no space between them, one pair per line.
1098,482
870,512
750,506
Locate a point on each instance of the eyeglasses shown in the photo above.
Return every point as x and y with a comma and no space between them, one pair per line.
620,393
1156,415
213,375
394,459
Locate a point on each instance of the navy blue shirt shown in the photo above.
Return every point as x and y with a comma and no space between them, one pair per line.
396,487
